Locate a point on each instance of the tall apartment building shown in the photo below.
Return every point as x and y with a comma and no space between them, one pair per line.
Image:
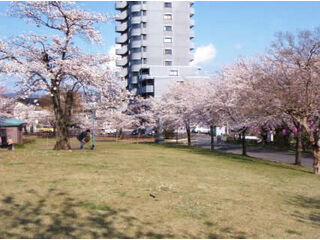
155,44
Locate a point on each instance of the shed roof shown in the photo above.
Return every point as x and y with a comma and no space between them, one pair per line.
10,122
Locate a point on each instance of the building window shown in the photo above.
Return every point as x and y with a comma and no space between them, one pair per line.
135,50
144,25
167,51
167,17
134,26
144,49
167,28
136,14
168,63
173,73
144,61
167,40
135,38
144,37
167,4
134,61
135,2
144,13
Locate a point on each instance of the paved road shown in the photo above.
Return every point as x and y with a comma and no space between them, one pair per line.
258,152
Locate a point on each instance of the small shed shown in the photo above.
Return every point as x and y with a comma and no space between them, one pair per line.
11,128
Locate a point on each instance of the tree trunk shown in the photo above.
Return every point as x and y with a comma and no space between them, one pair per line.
212,137
188,134
120,133
244,144
177,136
62,136
315,141
298,145
316,158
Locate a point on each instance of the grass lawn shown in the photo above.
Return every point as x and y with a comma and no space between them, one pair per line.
127,190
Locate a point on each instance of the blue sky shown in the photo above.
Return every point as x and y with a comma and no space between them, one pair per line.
233,28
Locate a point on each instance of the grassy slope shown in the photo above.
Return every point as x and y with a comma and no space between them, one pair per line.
198,194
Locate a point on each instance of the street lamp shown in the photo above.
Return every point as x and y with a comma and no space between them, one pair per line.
94,118
93,110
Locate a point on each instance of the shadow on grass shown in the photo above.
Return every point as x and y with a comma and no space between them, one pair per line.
232,156
312,205
56,215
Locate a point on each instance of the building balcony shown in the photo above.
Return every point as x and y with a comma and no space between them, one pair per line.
134,80
136,32
191,57
122,27
136,8
144,6
122,39
135,20
147,89
135,67
136,44
144,55
121,5
123,72
191,46
192,11
121,16
122,51
144,19
191,23
122,62
191,34
136,56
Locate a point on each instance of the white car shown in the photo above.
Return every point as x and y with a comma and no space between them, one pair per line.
109,131
201,130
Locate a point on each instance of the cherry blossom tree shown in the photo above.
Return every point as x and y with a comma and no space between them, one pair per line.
291,82
31,114
237,91
53,63
208,108
179,106
120,120
141,113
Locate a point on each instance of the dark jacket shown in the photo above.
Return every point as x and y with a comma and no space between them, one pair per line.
82,135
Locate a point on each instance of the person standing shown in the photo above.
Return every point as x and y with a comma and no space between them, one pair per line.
84,138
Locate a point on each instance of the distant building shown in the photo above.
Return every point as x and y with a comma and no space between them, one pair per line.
11,128
155,46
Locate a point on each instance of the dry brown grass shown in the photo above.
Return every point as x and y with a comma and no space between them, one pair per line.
126,190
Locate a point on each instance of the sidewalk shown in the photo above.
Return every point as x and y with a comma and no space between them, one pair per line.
257,152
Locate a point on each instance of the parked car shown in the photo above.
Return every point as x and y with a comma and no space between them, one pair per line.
252,139
201,130
108,131
46,128
143,131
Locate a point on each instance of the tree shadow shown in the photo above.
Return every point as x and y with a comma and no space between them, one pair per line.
57,215
311,204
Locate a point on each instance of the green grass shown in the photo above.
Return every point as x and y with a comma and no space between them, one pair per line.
128,190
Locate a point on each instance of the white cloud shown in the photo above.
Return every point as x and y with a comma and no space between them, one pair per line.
204,54
112,56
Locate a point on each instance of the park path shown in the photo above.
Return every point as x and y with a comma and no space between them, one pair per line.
257,152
